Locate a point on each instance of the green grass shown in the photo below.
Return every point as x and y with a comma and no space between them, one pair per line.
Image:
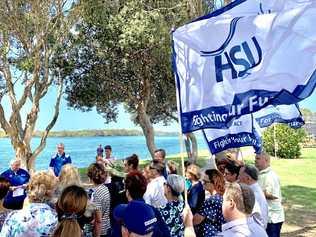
298,179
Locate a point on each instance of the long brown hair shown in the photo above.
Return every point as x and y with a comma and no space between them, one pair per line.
217,179
71,205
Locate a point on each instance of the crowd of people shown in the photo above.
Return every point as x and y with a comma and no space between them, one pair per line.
234,199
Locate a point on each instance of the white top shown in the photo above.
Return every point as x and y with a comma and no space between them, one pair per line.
261,205
154,194
269,181
246,227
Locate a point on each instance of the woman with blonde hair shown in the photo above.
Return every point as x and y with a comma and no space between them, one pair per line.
196,193
70,208
69,175
209,218
37,218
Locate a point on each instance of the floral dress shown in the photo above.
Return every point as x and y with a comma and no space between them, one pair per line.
35,220
172,215
3,216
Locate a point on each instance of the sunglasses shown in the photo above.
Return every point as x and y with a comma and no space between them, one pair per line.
206,181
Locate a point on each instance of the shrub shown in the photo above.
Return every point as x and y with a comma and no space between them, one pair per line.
288,141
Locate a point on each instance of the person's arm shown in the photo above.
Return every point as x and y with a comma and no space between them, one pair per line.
188,222
269,196
68,161
193,200
200,215
270,188
97,223
51,166
147,195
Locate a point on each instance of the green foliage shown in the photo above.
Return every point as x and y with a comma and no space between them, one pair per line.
122,54
288,141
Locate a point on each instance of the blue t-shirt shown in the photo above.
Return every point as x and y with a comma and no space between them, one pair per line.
16,179
57,162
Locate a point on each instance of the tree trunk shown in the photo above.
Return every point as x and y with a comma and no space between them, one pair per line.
23,153
148,131
191,147
194,147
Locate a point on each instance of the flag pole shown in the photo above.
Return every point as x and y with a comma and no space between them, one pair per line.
182,162
179,121
241,154
275,141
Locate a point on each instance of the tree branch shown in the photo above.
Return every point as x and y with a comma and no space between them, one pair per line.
52,122
4,123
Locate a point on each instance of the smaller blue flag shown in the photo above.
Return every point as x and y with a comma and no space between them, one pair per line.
289,114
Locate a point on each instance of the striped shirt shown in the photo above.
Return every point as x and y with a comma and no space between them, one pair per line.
101,198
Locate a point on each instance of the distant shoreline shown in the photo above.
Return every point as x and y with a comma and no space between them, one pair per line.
97,133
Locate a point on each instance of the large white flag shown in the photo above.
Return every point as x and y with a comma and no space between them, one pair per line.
234,62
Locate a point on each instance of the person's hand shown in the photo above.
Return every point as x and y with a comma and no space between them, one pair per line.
187,216
188,222
13,188
24,186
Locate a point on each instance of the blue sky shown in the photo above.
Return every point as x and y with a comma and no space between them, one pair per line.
70,119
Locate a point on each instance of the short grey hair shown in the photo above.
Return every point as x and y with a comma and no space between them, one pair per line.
251,171
176,183
61,144
14,160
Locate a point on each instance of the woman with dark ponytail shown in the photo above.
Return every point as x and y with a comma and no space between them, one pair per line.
70,209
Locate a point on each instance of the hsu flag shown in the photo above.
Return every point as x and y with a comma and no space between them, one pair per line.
289,114
242,132
227,65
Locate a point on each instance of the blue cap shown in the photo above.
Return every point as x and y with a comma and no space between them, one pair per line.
137,216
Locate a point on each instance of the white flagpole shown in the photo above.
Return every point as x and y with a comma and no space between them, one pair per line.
275,141
241,155
180,138
182,161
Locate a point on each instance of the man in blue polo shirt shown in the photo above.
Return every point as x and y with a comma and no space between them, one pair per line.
18,179
59,160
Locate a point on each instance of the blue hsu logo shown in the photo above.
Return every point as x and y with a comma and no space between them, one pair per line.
234,59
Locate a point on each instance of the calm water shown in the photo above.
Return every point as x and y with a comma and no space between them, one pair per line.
83,149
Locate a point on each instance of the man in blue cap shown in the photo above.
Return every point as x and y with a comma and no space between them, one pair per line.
138,219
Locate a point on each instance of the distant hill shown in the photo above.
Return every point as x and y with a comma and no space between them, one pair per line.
97,133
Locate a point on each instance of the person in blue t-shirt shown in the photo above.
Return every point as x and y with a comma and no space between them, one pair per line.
59,160
100,151
18,179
